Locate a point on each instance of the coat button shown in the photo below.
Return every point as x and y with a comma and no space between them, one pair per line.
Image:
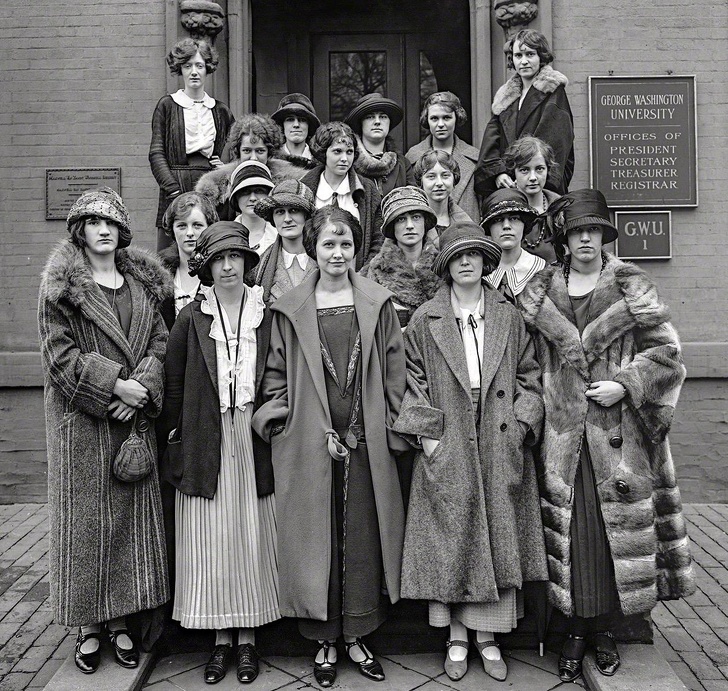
501,394
142,426
504,427
615,442
622,487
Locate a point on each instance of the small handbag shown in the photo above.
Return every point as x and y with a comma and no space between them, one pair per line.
134,459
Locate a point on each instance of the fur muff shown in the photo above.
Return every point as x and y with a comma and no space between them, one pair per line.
629,340
547,81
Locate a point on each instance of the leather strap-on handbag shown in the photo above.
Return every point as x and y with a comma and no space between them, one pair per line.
134,460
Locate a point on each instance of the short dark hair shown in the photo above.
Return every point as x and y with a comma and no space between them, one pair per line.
186,49
430,159
340,218
183,204
78,234
447,99
326,135
256,125
524,149
533,39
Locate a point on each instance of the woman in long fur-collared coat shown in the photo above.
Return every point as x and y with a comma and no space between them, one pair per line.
612,372
102,348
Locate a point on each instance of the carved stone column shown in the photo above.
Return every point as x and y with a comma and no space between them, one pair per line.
203,19
514,15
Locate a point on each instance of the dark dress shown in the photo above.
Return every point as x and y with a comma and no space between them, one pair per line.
120,303
592,576
356,605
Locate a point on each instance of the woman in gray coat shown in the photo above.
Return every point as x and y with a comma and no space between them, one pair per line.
473,405
102,342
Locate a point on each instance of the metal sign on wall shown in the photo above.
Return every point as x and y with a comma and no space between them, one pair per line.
643,234
643,140
65,185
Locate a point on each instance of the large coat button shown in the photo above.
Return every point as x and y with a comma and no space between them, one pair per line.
501,393
615,442
142,426
504,427
622,487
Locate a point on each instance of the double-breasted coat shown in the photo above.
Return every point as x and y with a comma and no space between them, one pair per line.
473,523
628,339
294,391
107,548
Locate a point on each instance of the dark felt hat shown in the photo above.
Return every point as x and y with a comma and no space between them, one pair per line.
374,103
462,236
286,193
580,208
299,105
402,200
504,202
218,237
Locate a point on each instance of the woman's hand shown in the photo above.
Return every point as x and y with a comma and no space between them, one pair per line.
504,180
606,393
131,392
429,445
215,161
120,410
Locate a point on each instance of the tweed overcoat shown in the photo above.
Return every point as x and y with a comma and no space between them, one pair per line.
294,391
628,339
107,548
473,523
466,156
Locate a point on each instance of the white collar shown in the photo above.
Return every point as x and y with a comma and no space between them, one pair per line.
463,314
288,258
183,100
325,191
306,152
527,266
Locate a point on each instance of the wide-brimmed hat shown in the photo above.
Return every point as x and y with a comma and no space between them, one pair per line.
103,202
580,208
465,235
218,237
286,193
249,174
374,103
299,105
402,200
504,202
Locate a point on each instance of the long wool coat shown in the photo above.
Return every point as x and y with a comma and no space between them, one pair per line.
473,522
629,340
294,391
545,113
107,549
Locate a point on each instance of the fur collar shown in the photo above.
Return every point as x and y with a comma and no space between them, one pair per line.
411,285
170,258
547,81
369,166
67,275
624,298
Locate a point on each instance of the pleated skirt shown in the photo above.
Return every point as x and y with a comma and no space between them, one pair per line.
226,562
498,617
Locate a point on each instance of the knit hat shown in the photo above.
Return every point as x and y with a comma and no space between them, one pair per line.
462,236
402,200
103,202
299,105
580,208
249,174
374,103
218,237
504,202
286,193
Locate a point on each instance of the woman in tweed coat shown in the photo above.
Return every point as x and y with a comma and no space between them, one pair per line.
102,343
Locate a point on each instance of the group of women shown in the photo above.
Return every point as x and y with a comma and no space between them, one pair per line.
359,398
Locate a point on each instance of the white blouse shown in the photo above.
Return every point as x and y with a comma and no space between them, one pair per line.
200,129
344,197
527,266
472,338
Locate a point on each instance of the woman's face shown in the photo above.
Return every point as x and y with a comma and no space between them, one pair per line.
466,268
584,243
441,121
295,129
375,127
228,269
525,60
194,72
340,157
438,183
248,197
409,229
507,231
187,230
289,222
334,251
253,148
531,176
101,235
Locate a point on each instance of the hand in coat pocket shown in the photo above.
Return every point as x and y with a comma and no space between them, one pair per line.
429,445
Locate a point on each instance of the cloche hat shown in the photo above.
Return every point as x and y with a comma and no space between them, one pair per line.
580,208
299,105
102,202
507,201
374,103
286,193
461,236
218,237
402,200
249,174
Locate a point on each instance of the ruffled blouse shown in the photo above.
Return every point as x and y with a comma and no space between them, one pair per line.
200,129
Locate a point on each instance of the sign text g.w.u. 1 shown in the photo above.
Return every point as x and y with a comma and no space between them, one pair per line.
643,234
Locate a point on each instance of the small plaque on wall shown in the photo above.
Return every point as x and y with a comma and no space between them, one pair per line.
65,185
643,234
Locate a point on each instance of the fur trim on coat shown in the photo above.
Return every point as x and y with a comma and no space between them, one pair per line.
547,81
628,340
372,167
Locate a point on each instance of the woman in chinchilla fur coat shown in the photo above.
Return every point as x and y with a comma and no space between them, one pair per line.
612,372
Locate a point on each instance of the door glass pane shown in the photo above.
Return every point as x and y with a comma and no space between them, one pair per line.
428,83
351,76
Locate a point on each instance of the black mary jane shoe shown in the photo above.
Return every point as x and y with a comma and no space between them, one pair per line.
88,663
126,658
572,655
247,663
216,666
605,653
369,666
325,672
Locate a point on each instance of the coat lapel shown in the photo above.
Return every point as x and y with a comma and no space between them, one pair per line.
533,100
202,323
141,321
446,335
497,333
96,308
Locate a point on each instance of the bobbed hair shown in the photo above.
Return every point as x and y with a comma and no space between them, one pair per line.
186,49
533,39
255,126
448,100
77,232
524,149
326,135
181,207
340,218
430,159
488,268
